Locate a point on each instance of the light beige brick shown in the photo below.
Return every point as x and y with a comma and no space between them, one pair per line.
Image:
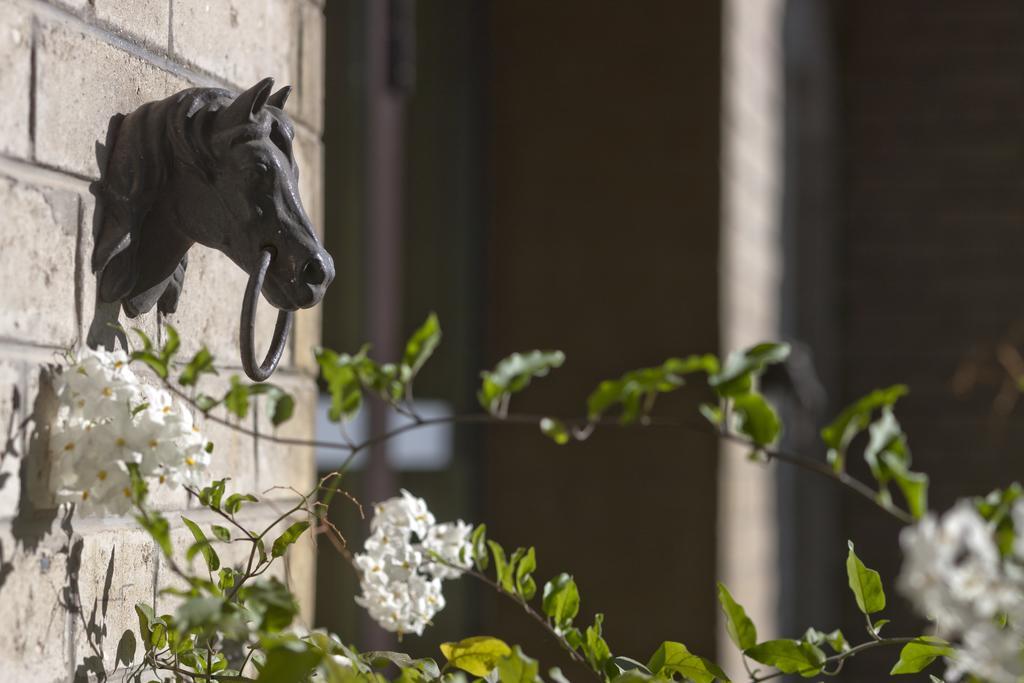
76,6
210,309
117,571
41,407
146,20
34,640
309,157
81,82
12,399
285,465
15,80
300,577
311,84
37,263
305,339
241,41
234,454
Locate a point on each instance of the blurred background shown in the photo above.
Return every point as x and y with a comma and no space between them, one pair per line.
627,181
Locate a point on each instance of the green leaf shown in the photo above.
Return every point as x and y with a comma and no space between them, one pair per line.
202,545
518,668
741,629
341,372
226,578
221,533
425,666
422,344
290,535
886,439
502,569
789,656
595,649
756,418
280,406
555,430
234,502
525,584
629,664
561,600
211,495
741,367
236,400
636,389
995,508
271,601
513,374
201,363
291,662
478,539
478,655
672,659
158,365
152,628
854,419
172,344
865,583
914,485
914,657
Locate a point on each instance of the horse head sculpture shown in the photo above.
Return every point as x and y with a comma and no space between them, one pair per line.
204,166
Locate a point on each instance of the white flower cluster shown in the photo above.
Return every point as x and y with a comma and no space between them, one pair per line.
108,418
399,575
954,573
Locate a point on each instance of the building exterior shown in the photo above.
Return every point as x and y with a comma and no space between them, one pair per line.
68,586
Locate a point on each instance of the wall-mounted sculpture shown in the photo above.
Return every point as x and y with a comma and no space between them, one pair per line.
205,166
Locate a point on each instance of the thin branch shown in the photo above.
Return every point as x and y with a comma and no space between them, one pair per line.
582,427
537,616
840,659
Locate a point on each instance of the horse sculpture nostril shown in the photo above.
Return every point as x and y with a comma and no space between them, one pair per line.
313,272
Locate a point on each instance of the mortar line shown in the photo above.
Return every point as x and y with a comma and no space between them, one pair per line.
44,173
33,47
80,271
170,27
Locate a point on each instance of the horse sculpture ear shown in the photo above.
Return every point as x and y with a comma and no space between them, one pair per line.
245,105
280,97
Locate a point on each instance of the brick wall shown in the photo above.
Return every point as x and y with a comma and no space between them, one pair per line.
65,68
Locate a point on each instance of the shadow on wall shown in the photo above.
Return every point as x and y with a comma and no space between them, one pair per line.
41,543
105,329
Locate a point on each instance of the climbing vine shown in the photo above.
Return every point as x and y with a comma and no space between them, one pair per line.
119,436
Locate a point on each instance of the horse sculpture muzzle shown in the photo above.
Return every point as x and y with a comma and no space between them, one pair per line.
204,166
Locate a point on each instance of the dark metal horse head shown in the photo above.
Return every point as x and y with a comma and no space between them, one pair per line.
204,166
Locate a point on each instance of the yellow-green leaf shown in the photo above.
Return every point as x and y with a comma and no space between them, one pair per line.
477,655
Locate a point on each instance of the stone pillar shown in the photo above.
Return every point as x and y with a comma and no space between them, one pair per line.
751,278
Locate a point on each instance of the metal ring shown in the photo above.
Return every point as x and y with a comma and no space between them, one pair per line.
259,373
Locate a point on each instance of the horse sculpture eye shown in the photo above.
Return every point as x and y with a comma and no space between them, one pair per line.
262,168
